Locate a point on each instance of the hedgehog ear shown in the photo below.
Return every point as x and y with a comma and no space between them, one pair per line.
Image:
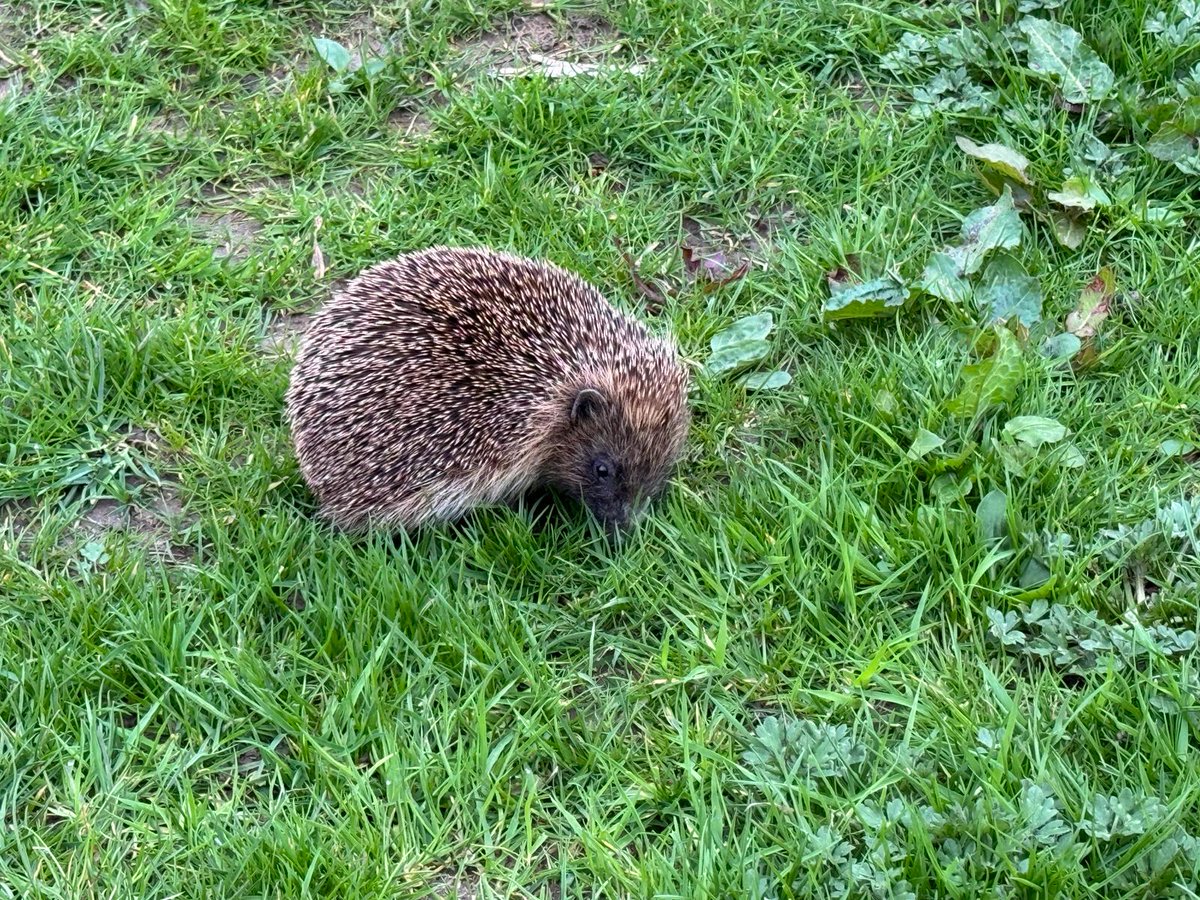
588,403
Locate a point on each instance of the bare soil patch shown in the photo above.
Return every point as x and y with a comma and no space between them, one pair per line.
232,233
284,332
16,26
12,85
578,38
461,888
409,121
15,514
153,518
151,522
364,38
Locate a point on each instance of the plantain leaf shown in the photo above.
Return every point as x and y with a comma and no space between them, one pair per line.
1094,302
1068,229
1057,51
1034,431
1007,290
992,380
942,278
1079,194
335,55
751,328
737,356
1061,346
995,227
1003,159
924,443
878,297
1177,144
991,517
766,381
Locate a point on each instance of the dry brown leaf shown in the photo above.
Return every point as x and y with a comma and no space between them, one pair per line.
645,288
1094,302
318,258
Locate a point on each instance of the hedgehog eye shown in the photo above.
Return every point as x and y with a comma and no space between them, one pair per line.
602,469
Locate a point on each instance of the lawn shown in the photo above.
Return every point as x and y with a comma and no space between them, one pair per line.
918,617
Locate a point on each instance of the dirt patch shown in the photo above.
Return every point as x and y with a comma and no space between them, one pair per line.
774,223
12,87
15,32
172,124
409,122
753,245
578,38
151,522
284,332
16,515
14,37
274,81
152,517
364,37
463,887
232,233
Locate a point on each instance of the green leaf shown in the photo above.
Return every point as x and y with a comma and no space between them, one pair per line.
737,356
997,156
990,228
1172,447
995,227
785,748
751,328
1033,573
1057,51
1016,458
1068,229
1079,194
1061,346
1040,819
766,381
1071,456
886,404
373,67
942,279
992,380
94,552
925,442
948,487
1007,290
741,344
335,55
1177,144
878,297
991,518
1035,431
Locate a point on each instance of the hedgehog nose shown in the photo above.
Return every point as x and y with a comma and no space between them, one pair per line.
616,522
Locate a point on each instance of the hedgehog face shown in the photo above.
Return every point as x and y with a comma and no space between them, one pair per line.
614,467
606,492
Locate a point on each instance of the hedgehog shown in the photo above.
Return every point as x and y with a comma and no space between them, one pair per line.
456,377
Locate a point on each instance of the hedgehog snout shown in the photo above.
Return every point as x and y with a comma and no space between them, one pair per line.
616,517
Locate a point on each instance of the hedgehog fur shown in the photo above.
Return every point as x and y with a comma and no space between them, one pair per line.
450,378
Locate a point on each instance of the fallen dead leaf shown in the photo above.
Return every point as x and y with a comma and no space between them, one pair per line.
715,269
318,258
1094,302
559,68
657,299
597,163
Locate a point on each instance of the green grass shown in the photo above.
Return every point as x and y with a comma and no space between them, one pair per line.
787,683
